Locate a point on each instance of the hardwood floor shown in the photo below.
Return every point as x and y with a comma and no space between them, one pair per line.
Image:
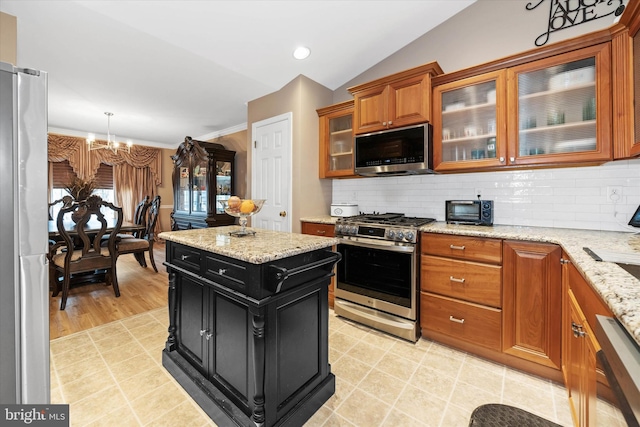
141,290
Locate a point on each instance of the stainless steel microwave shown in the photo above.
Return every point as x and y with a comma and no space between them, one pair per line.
402,151
471,212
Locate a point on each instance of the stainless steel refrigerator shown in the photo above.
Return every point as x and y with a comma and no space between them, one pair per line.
24,293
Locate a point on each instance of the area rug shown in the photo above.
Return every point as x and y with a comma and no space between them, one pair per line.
497,415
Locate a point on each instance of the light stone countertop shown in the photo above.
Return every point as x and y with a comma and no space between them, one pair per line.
617,288
265,246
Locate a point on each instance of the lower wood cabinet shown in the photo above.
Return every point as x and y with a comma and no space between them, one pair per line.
583,377
532,301
326,230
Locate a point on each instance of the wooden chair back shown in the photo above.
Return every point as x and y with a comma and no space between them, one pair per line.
66,201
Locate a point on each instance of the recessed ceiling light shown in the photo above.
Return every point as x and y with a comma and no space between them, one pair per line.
301,52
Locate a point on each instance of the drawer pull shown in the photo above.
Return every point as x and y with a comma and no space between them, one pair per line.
455,279
321,232
459,248
577,330
184,257
454,319
222,271
202,332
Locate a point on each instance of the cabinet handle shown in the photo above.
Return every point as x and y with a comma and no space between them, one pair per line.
564,261
390,122
321,232
184,257
460,248
454,279
577,330
501,159
208,336
512,159
222,271
202,332
454,319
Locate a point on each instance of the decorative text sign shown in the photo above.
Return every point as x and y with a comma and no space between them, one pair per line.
569,13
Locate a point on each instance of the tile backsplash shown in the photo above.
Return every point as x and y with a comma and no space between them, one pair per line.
560,198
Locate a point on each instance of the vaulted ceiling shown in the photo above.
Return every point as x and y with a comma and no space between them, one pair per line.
167,69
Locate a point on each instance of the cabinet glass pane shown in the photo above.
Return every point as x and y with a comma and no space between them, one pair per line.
469,122
340,143
183,190
223,184
557,109
199,202
636,84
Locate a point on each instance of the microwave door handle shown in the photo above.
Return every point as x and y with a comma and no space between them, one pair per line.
386,246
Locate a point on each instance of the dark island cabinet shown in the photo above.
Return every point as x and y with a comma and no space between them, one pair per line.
249,342
202,181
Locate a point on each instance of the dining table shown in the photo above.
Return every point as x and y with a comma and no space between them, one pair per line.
93,224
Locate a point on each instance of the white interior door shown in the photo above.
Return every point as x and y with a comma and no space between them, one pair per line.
271,171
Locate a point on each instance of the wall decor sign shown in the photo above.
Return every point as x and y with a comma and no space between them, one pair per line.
569,13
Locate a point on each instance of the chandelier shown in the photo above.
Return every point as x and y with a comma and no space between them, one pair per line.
110,143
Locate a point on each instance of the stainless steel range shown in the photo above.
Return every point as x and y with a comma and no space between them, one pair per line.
377,278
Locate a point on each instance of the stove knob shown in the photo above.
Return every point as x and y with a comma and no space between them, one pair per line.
353,230
409,236
399,235
391,234
338,228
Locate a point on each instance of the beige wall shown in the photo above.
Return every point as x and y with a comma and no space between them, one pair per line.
485,31
237,142
302,96
8,38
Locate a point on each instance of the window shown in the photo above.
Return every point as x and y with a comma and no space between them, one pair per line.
62,173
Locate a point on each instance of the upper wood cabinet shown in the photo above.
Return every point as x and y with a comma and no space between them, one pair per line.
626,83
552,110
336,140
398,100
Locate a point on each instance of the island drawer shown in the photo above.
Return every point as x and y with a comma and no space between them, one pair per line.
462,247
465,321
466,280
226,272
185,257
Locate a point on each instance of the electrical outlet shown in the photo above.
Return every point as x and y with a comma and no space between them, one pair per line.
614,193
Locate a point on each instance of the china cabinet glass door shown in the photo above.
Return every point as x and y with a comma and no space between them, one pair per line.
183,192
223,184
199,194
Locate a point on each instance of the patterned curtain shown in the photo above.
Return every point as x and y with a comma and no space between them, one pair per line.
136,174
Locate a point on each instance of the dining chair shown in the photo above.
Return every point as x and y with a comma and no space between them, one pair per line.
80,250
65,200
139,218
138,246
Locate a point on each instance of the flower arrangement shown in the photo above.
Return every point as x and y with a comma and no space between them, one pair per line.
80,189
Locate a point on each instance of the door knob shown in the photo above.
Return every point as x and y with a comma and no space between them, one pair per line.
283,214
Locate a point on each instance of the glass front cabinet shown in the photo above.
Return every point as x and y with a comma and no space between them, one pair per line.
551,111
336,140
202,180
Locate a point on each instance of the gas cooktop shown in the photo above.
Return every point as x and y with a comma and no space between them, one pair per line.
397,219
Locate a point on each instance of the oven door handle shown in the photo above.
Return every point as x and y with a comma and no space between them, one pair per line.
382,245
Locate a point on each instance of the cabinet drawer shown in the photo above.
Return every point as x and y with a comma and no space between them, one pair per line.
317,229
469,281
186,257
225,272
462,247
461,320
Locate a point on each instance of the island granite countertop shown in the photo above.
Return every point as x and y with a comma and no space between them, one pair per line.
264,246
617,288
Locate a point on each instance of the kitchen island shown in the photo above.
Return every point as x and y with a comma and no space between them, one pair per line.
248,323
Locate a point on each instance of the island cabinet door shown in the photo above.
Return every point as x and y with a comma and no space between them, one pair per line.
192,321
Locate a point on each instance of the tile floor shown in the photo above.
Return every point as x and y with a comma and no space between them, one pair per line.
112,375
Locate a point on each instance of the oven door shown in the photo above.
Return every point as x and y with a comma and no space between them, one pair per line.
378,274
